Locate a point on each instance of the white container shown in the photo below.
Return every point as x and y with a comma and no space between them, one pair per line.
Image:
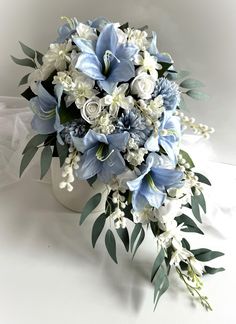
82,192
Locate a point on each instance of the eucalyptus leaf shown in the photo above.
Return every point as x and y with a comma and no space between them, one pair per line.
182,104
202,178
211,270
159,259
124,236
27,157
46,159
27,50
62,151
136,230
24,62
92,180
161,284
35,141
205,255
195,209
187,221
191,84
185,244
178,76
24,80
39,57
97,228
139,242
91,204
201,201
110,243
196,94
188,159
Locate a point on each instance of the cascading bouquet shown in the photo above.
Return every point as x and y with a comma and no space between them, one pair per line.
108,104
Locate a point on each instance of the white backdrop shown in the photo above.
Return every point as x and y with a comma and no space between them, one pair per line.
200,35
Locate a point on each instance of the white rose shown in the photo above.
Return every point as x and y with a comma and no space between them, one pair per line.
91,110
143,85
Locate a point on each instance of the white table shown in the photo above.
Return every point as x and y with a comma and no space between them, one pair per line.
49,272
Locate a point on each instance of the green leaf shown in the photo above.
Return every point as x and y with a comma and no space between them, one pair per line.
28,156
178,76
62,151
195,209
182,104
165,67
211,270
92,180
110,243
34,142
159,259
205,255
97,228
196,94
185,244
39,57
191,84
46,159
136,230
161,284
124,236
24,62
191,225
91,204
24,80
201,201
188,159
140,240
154,227
27,50
202,178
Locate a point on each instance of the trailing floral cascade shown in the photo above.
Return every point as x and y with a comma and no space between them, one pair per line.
110,106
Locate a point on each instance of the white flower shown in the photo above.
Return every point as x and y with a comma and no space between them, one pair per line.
173,234
147,63
57,58
86,32
143,85
144,216
181,254
83,89
104,124
166,214
118,217
196,265
138,38
118,99
65,80
136,157
91,110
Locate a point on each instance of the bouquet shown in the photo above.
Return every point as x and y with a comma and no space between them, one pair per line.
110,106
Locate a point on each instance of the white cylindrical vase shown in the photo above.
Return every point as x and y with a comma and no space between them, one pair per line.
81,193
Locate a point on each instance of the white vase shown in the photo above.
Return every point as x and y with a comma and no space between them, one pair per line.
82,192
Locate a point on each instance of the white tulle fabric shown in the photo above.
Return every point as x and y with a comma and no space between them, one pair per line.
15,131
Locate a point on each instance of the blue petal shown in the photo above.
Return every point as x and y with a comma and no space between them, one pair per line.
170,149
92,138
78,143
154,197
64,33
86,46
126,51
122,71
119,140
138,201
153,46
46,100
107,86
42,126
114,165
99,23
90,65
166,177
107,40
89,165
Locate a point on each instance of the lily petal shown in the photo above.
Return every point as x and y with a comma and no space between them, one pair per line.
90,65
89,165
107,40
126,51
122,71
86,46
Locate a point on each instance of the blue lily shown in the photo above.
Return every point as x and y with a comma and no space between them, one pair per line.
105,60
101,155
46,109
161,57
167,136
66,30
150,187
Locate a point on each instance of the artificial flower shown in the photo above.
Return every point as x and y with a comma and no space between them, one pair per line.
91,110
170,93
147,63
143,86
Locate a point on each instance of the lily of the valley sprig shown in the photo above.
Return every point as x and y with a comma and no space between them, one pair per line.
109,105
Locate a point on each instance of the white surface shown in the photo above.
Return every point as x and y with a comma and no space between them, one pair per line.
200,35
49,272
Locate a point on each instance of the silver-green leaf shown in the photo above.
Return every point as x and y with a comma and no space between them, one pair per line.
46,159
191,84
24,62
91,204
27,50
24,80
27,157
35,141
196,94
110,243
97,228
159,259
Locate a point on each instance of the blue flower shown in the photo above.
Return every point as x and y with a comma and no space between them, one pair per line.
132,122
105,60
161,57
150,187
65,31
76,128
169,91
168,137
101,155
46,109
